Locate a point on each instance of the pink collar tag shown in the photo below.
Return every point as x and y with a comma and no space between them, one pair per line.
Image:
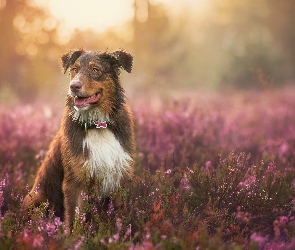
100,124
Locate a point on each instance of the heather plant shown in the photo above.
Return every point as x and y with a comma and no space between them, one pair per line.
181,132
248,195
210,173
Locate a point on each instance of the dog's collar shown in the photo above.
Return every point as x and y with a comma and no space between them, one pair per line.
96,125
93,119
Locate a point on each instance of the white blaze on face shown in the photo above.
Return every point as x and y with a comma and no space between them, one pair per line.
107,160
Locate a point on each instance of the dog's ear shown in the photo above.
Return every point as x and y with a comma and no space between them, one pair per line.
123,59
69,58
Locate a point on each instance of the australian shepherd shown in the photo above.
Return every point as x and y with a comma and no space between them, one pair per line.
95,137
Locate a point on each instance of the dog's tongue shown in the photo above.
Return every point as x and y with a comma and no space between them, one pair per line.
85,101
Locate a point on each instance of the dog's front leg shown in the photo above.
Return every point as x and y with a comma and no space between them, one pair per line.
72,193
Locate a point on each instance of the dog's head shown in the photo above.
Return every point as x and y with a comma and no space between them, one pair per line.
95,83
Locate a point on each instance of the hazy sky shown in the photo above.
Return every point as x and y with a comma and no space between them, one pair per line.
103,14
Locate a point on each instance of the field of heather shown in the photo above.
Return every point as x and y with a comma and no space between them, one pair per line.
212,171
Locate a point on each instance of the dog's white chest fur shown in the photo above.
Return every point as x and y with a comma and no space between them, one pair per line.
106,159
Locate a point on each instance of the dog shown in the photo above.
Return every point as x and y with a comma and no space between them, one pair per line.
96,136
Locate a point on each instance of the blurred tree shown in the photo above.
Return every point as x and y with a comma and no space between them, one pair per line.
251,36
157,45
111,39
281,22
28,44
10,60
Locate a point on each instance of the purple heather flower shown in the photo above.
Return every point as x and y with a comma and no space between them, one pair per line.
38,241
248,182
208,165
116,237
184,183
168,171
119,224
128,232
84,196
1,199
110,208
259,239
57,221
283,220
148,236
79,243
50,229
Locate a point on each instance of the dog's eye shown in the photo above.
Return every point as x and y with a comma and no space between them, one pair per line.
74,69
95,70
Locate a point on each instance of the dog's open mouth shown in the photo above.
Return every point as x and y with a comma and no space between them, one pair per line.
81,102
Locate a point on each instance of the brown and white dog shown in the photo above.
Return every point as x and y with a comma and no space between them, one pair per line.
96,134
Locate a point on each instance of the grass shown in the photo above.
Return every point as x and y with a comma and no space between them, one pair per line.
211,172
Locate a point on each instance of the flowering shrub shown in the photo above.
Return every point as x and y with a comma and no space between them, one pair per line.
210,172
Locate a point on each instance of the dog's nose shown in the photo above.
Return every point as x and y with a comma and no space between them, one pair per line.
75,86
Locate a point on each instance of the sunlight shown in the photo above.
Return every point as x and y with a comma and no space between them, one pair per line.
100,15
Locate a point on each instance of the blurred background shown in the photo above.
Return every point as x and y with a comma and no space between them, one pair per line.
203,45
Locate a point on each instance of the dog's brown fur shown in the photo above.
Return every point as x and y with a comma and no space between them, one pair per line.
76,147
